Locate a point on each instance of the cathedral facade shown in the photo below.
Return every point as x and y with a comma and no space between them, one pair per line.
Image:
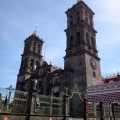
81,61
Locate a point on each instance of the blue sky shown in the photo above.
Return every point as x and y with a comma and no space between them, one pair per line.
18,19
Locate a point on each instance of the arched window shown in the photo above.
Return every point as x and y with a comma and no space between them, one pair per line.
34,44
71,16
71,41
37,63
77,19
25,62
92,42
94,74
78,37
71,23
91,23
31,63
38,49
86,19
77,13
87,39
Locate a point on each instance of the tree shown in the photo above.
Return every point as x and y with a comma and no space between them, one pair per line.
1,101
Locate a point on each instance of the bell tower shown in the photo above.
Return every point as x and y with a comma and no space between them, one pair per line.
81,50
30,58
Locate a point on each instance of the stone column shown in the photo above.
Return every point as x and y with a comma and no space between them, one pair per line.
33,101
31,98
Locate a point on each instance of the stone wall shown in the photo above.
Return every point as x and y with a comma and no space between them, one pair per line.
30,117
13,117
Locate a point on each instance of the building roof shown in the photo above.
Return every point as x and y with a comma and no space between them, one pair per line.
110,79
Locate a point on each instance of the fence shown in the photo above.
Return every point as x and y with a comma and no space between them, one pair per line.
13,101
94,110
49,105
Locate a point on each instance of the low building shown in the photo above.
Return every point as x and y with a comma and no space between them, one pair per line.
108,93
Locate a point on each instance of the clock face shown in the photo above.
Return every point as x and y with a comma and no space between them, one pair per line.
93,63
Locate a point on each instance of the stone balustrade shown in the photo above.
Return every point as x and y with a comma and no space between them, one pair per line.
103,87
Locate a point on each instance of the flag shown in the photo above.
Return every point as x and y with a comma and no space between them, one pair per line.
5,102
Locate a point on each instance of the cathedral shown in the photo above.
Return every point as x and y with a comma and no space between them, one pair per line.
81,61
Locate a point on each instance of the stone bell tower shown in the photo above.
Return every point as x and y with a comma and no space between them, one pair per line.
30,59
81,50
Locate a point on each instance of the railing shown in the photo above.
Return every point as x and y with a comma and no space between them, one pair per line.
94,110
117,110
49,105
13,101
103,87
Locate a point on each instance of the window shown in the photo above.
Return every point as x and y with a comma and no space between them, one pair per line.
31,63
34,44
55,89
78,37
80,63
91,23
94,75
86,19
26,87
78,19
39,83
40,72
38,49
77,13
71,23
87,39
65,83
37,63
92,42
33,49
71,16
55,80
71,41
